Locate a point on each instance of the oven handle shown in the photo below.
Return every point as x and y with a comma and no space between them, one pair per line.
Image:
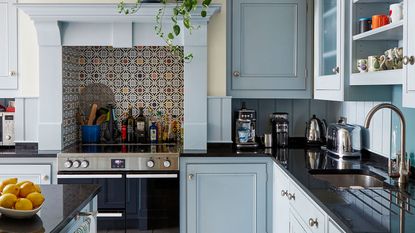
109,215
146,176
91,176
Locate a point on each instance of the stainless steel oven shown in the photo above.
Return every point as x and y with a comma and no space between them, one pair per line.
140,189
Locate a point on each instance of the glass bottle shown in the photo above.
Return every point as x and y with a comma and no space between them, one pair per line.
130,126
153,132
141,127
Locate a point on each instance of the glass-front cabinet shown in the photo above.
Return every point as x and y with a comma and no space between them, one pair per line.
408,90
328,49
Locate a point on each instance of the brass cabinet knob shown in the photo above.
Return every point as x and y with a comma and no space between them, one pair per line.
236,74
313,222
336,70
284,193
408,60
190,177
291,196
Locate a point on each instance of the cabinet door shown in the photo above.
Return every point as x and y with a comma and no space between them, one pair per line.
295,225
328,53
227,198
333,228
269,45
8,44
38,174
281,205
408,90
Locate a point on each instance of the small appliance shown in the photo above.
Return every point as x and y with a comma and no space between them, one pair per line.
245,128
7,129
315,131
344,140
280,129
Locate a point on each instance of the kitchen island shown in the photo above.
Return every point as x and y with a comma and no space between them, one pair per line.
62,205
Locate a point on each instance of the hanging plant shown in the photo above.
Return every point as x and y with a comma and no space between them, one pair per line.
181,12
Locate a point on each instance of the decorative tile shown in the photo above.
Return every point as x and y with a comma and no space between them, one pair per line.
143,76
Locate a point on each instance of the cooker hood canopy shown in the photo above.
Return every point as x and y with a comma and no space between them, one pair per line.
60,25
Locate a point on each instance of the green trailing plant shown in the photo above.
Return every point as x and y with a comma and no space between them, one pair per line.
182,12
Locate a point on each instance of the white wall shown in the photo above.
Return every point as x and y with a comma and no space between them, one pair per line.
28,49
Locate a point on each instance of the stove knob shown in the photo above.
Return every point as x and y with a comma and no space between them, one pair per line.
150,163
85,164
67,164
76,163
167,163
8,137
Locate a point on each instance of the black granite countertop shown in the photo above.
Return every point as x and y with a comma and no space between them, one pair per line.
369,210
62,204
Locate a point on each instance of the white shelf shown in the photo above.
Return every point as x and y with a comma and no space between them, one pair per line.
330,54
330,12
386,77
376,1
393,31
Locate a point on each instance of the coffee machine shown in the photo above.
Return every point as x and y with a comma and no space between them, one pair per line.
245,128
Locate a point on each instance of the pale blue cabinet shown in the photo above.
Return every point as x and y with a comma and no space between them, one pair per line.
295,225
8,45
271,49
225,196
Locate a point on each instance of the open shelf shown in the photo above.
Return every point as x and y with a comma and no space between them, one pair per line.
393,31
385,77
376,1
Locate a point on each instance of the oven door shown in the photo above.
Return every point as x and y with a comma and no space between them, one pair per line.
111,199
152,203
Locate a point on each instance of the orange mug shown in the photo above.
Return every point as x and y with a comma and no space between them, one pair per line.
379,21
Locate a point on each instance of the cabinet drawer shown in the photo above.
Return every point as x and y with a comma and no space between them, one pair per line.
333,228
306,210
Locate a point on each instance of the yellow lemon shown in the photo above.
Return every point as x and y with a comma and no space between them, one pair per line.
26,189
21,183
38,189
23,204
7,200
36,199
11,188
6,182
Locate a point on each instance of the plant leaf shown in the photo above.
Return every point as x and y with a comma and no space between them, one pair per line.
176,29
206,2
203,13
171,36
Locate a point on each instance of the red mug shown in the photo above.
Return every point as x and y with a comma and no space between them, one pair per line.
379,21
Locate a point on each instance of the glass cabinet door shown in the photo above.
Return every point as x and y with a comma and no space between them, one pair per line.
328,37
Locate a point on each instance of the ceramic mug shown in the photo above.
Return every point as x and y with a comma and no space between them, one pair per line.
374,63
396,12
398,53
362,65
379,21
389,59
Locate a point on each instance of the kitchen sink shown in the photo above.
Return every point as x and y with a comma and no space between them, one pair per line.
349,178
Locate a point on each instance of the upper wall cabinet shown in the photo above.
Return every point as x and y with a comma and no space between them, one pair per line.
335,51
408,90
271,53
8,45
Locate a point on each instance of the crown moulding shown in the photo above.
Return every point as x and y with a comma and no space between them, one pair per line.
105,12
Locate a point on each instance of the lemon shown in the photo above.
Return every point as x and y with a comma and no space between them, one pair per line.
11,188
23,204
21,183
7,200
6,182
36,199
26,189
38,189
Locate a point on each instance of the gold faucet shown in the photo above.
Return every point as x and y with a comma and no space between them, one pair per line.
403,164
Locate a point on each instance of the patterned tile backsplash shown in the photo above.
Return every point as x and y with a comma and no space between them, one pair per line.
142,76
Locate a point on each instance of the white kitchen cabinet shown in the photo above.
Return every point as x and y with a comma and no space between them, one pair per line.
8,46
408,90
38,174
294,225
333,22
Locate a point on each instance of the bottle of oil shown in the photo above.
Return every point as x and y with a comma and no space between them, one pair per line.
153,132
130,126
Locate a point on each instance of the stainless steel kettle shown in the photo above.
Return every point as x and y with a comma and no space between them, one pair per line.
316,131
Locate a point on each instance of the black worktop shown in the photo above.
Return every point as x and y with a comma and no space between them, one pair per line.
62,204
369,210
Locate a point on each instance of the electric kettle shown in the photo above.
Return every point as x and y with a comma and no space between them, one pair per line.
316,131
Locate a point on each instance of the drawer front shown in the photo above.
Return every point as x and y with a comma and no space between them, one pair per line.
306,210
333,228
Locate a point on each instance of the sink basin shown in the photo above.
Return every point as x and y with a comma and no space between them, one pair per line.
349,178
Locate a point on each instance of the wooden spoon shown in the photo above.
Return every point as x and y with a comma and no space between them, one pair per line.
101,119
92,114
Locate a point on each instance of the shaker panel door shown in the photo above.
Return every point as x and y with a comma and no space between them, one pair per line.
227,198
408,90
269,45
8,45
38,174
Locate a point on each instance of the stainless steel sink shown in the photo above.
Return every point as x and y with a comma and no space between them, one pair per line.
354,179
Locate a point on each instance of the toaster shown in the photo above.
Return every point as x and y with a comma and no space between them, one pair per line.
344,140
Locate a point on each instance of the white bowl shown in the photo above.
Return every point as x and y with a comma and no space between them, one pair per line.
19,214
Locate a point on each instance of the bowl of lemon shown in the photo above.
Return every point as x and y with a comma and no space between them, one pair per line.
20,200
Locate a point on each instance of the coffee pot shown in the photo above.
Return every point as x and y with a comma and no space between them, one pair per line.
316,131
